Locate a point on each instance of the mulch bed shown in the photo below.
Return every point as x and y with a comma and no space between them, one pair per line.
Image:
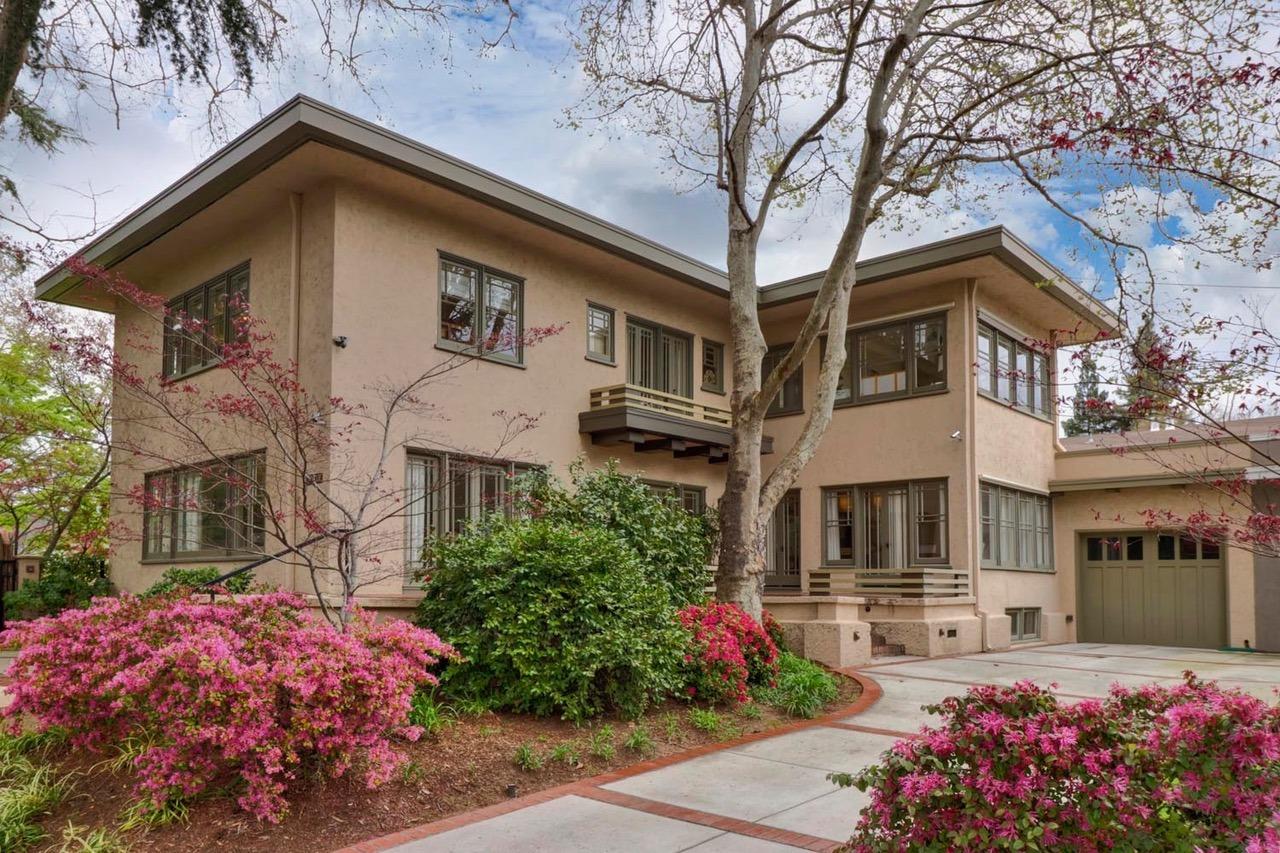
468,765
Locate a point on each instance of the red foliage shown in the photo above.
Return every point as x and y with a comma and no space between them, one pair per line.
731,652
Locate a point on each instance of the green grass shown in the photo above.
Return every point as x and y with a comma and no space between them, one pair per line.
639,741
803,688
426,710
144,814
527,758
749,711
602,745
671,725
29,788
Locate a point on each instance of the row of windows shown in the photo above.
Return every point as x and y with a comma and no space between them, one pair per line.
1013,372
200,322
1015,528
208,510
885,526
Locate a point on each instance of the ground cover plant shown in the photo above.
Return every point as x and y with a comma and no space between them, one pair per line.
190,696
1187,767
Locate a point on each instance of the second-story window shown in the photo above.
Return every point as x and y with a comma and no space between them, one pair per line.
480,310
712,366
790,398
894,360
599,333
1013,372
658,358
200,322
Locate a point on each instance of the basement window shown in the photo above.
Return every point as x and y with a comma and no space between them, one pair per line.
1024,623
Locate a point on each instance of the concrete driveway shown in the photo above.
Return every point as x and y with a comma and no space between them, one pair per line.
771,794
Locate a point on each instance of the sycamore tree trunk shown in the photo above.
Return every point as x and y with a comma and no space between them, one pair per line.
18,22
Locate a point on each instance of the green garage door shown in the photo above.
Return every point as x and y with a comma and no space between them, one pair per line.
1152,588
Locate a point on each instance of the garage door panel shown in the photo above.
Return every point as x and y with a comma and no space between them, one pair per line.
1138,598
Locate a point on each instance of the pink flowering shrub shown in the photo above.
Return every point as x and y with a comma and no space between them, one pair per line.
1157,768
730,652
249,690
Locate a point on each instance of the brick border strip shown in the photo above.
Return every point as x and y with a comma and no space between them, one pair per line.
590,787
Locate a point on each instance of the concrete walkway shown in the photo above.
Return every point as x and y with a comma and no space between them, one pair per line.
771,793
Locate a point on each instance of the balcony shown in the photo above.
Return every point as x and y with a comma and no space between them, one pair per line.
651,421
915,582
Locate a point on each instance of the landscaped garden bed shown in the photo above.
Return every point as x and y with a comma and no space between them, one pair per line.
469,763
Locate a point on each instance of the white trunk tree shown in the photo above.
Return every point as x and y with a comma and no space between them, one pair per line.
881,102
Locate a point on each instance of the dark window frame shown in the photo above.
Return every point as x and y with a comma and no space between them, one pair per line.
480,309
859,520
178,345
254,532
691,498
716,350
1035,383
993,499
792,386
786,539
611,358
658,363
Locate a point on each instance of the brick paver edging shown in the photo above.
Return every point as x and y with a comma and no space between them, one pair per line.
590,788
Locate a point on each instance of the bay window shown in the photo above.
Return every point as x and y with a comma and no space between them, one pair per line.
1013,372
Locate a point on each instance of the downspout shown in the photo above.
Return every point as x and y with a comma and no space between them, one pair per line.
295,338
971,448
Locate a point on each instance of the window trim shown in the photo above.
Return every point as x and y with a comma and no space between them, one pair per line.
678,491
851,364
612,358
708,345
790,498
659,352
483,271
205,554
1039,501
443,508
798,377
172,338
1019,620
999,333
859,491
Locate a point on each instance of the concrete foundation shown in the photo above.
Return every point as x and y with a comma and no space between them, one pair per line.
996,629
955,635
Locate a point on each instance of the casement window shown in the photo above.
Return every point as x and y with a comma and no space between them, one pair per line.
481,310
1015,529
712,366
886,525
444,493
782,546
600,337
790,397
200,322
894,360
659,358
692,499
204,511
1024,623
1012,372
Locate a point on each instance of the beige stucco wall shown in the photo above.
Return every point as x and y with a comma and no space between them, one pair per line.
1118,509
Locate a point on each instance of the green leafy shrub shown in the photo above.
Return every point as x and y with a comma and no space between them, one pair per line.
66,581
802,688
552,617
673,545
176,577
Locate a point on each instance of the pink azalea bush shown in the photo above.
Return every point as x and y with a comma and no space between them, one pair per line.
252,690
730,652
1188,767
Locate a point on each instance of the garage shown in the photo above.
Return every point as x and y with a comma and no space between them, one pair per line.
1151,588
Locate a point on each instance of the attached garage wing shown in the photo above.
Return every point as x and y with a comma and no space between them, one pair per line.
1151,588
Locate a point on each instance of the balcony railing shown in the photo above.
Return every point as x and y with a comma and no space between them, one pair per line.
616,396
916,582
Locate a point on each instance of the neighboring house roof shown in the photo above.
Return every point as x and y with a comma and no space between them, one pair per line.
301,120
1256,429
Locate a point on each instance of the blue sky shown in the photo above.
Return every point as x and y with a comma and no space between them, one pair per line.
504,112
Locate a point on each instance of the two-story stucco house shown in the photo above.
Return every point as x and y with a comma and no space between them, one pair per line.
941,514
